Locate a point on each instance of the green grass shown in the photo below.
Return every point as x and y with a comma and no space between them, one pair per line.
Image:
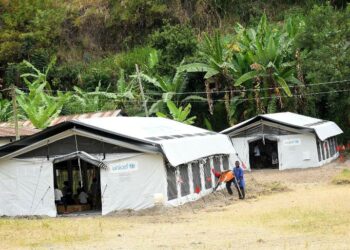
342,178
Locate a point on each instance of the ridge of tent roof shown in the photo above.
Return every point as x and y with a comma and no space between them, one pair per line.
324,129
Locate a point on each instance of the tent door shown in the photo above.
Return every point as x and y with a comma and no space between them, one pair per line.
263,154
72,182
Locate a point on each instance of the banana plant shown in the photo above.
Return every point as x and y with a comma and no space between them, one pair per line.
38,76
179,114
39,104
97,100
217,65
39,107
170,89
269,54
5,109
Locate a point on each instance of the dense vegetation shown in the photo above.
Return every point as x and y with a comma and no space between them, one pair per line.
212,62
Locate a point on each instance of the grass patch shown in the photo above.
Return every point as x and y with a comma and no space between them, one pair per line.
342,178
306,220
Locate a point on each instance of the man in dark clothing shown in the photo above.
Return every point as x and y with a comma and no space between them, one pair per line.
239,180
67,195
95,193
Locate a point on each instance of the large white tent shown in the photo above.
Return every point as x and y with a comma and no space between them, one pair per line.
140,161
284,140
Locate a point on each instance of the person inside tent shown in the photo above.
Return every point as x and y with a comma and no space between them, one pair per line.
95,193
67,195
58,195
239,183
83,196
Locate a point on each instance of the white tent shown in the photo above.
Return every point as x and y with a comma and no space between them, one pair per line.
140,161
284,140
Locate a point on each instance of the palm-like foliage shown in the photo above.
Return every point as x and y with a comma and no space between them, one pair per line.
171,89
37,76
40,107
99,100
5,110
217,65
269,52
179,114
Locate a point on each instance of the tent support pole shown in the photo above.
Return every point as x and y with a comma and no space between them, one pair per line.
79,163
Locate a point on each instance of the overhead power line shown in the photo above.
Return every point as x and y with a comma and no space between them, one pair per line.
243,99
347,81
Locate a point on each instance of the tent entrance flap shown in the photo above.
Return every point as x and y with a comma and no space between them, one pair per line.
263,153
78,181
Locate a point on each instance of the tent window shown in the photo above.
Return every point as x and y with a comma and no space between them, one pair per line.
207,174
323,151
318,150
331,146
225,162
216,162
185,184
171,179
197,184
326,145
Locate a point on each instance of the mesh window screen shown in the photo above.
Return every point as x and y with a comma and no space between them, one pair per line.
331,146
327,148
216,162
185,184
207,174
225,162
197,185
171,179
323,151
318,150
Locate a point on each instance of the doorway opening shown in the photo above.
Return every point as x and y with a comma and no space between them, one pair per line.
263,154
77,187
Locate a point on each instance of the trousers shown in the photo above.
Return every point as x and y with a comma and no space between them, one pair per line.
240,190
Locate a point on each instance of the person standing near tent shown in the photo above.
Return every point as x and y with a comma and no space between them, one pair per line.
239,180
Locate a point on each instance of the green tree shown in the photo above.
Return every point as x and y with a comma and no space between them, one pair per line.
216,64
179,114
326,46
39,104
168,89
5,110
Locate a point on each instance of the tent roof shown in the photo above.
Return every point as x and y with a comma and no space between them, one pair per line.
323,129
180,143
7,129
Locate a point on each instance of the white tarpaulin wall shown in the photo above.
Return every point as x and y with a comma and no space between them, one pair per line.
131,181
27,187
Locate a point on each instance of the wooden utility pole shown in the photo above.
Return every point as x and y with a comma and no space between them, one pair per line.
141,89
14,106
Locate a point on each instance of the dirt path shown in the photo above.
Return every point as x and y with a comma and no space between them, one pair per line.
296,209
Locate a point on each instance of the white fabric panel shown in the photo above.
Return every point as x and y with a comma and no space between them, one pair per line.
241,145
177,150
188,149
142,127
133,189
326,130
26,187
301,155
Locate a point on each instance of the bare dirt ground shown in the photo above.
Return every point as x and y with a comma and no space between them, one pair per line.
294,209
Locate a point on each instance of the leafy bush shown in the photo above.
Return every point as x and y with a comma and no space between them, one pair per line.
138,55
174,42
